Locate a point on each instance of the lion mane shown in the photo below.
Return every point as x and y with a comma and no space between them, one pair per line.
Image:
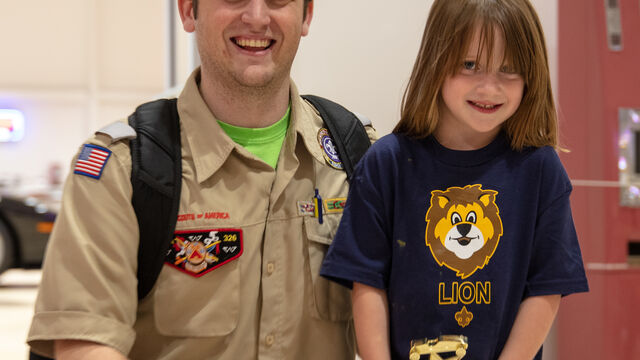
470,207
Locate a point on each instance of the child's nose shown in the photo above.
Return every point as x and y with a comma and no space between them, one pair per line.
489,82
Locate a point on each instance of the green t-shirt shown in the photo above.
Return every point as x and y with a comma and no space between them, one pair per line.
264,143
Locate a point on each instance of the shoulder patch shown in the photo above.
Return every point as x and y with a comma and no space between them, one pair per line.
91,161
329,150
118,131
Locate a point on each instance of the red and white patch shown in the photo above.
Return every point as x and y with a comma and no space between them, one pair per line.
199,252
217,215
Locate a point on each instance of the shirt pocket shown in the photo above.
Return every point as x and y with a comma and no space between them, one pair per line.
329,300
206,306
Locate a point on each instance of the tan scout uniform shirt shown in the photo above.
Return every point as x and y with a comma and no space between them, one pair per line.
269,303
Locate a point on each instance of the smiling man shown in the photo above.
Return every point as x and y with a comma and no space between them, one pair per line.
240,276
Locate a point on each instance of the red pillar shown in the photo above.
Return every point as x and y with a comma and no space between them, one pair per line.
594,82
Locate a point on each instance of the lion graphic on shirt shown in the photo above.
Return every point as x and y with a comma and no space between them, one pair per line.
463,228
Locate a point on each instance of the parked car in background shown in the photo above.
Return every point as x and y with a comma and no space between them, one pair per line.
26,221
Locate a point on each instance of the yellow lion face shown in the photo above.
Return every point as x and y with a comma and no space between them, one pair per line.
463,228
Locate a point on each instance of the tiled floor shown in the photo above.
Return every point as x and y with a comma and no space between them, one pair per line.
17,295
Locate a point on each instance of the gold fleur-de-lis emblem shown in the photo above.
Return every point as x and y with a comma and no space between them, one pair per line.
464,317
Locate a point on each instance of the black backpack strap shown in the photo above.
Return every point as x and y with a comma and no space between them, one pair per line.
156,176
34,356
346,130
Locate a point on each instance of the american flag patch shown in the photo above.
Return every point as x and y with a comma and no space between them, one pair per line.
91,161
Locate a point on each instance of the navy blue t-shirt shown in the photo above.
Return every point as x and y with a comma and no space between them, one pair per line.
457,238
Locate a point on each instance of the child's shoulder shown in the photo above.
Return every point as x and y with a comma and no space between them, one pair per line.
391,147
384,155
545,164
546,156
394,143
391,140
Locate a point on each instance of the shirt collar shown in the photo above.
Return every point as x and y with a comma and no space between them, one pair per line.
206,144
209,146
469,158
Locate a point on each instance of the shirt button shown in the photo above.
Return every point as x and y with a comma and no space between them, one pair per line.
270,268
269,340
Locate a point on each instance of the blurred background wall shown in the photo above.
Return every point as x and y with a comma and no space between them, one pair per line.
72,66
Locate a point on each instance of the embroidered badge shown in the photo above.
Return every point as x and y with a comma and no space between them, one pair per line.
198,252
329,150
91,161
306,208
335,205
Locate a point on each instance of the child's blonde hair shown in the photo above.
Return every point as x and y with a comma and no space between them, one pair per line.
447,35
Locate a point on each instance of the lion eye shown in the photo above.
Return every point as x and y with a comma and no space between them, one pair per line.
456,218
472,217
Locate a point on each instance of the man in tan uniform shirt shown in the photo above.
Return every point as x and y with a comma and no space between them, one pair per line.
264,302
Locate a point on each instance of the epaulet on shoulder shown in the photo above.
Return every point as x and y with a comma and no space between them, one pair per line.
363,119
118,131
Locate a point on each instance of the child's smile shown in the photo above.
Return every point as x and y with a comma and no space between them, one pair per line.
486,108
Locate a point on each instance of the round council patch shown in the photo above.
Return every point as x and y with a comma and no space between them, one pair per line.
329,150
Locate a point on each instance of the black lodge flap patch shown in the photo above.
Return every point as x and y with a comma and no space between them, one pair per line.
198,252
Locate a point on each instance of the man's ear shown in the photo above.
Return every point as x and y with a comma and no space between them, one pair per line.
307,20
185,8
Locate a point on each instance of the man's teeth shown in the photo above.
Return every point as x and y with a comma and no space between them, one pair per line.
252,43
488,107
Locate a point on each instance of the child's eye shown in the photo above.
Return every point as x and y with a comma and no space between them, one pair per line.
508,69
469,65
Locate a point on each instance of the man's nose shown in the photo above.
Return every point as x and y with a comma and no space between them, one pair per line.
256,13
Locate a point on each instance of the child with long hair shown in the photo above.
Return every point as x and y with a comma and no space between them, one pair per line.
459,222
